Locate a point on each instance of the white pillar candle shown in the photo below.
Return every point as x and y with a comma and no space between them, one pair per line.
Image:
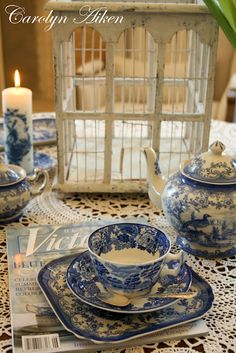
17,112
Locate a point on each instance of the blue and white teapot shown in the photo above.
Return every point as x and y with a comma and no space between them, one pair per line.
17,189
199,201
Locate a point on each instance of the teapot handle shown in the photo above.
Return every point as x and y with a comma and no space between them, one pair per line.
35,177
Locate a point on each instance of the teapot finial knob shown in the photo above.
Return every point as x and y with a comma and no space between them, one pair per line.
217,147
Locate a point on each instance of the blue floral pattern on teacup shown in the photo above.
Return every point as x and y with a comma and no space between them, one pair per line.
127,279
128,235
135,278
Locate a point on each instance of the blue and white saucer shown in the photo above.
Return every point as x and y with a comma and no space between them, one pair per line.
83,282
44,129
100,326
43,161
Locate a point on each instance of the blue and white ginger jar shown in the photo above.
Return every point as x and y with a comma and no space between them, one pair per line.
200,203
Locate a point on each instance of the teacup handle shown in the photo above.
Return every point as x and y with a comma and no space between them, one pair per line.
35,177
172,265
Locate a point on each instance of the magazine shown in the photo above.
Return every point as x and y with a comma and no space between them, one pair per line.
35,328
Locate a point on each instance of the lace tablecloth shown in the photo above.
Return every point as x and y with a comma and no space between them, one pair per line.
221,274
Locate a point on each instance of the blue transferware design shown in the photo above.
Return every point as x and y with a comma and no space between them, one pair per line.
125,278
9,176
199,251
16,190
82,280
220,171
214,168
44,129
44,161
17,137
128,235
13,200
101,326
203,215
41,160
199,201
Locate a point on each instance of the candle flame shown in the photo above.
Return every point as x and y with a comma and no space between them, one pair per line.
17,79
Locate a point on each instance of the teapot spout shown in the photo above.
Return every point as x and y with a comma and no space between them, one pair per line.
156,182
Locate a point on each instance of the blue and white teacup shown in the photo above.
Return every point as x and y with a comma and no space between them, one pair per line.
130,258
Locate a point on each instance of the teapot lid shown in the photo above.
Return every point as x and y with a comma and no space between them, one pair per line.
212,167
10,174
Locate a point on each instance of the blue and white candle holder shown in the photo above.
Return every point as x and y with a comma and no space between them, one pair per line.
18,136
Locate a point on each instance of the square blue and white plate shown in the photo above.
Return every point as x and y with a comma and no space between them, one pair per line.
100,326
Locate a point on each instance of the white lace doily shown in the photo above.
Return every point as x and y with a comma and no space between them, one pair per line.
221,274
